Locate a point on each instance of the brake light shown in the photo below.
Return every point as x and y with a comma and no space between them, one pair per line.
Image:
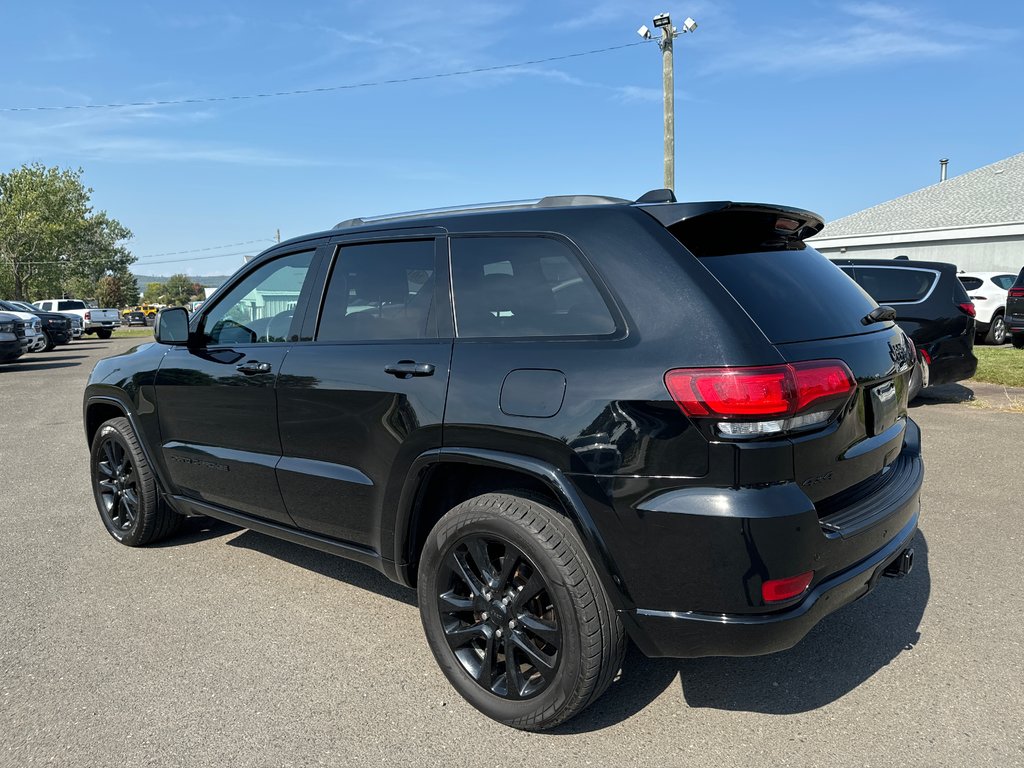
967,308
1017,293
87,316
783,589
750,402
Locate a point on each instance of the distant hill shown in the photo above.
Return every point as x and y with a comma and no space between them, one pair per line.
207,281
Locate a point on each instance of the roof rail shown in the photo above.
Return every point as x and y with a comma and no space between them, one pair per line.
552,201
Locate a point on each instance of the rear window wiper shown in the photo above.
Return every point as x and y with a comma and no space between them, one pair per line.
879,315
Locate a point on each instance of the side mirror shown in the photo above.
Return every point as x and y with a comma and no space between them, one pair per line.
171,326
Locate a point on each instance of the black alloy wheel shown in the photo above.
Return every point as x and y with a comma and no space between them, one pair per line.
515,612
117,486
499,618
125,488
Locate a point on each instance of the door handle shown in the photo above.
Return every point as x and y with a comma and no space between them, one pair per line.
253,367
406,369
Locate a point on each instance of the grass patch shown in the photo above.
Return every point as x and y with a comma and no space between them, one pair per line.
1000,365
132,333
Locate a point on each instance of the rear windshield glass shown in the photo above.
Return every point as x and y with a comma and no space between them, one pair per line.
971,283
793,295
889,285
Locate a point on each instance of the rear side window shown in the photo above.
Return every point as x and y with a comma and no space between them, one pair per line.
897,285
380,292
971,283
1005,282
65,305
507,286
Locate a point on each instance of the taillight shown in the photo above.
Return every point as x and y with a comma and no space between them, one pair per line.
967,308
784,589
751,402
1017,293
87,316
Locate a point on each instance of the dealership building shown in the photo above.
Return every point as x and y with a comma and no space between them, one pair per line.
975,221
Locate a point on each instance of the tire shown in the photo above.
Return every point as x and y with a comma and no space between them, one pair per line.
502,575
104,333
1018,340
49,342
125,487
996,331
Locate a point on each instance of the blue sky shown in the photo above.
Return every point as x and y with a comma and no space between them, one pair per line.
824,105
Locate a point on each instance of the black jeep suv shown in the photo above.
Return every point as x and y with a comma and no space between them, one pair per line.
566,423
934,309
1015,311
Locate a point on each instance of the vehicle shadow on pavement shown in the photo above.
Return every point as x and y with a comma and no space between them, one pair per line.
943,393
331,566
49,365
839,654
196,529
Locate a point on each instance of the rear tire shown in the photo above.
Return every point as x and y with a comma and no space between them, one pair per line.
996,331
505,577
1018,340
125,487
104,333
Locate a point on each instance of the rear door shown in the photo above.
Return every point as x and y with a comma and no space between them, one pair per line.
363,395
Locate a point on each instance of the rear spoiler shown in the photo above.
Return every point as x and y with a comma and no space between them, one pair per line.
716,228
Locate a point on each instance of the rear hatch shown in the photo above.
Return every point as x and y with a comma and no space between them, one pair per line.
1015,305
808,310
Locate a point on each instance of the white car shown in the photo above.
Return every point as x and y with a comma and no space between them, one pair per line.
988,292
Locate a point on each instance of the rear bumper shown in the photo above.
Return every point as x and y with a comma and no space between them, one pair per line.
705,554
689,635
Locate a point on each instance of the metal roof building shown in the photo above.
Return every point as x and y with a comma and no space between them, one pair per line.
975,221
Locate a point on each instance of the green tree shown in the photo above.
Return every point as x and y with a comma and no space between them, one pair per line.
180,289
51,240
117,291
154,293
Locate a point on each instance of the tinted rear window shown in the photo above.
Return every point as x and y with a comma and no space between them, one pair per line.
793,295
971,283
896,285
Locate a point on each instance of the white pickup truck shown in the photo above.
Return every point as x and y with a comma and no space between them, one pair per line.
102,322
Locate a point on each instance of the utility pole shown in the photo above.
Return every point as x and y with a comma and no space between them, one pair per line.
668,34
668,79
279,234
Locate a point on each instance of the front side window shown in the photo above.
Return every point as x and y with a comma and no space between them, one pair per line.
508,286
897,285
380,292
260,309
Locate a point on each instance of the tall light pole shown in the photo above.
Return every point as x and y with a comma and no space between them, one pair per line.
668,33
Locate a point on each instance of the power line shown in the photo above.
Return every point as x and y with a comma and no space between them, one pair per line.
329,88
70,262
208,248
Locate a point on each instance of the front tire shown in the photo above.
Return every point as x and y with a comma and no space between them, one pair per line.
514,612
49,342
125,487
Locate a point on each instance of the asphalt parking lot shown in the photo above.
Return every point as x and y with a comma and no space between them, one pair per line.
225,647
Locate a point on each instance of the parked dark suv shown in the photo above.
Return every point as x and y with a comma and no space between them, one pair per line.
1015,311
932,306
566,423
